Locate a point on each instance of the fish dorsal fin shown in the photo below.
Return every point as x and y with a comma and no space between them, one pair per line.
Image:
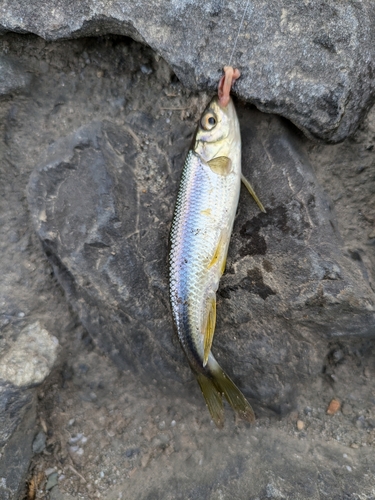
250,188
222,165
209,329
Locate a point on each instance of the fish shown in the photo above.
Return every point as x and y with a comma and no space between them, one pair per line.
199,238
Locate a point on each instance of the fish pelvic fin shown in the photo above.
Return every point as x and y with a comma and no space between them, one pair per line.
216,386
250,188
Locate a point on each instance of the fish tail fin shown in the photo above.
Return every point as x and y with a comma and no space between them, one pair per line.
213,389
213,397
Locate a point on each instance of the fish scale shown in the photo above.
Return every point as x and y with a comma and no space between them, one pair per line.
194,238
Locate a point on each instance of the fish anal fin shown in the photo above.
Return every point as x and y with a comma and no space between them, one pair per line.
250,188
209,328
213,398
222,165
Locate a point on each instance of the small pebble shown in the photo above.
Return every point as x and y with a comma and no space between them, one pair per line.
300,425
354,445
76,438
51,481
173,423
71,421
348,468
39,442
49,471
101,474
146,70
333,407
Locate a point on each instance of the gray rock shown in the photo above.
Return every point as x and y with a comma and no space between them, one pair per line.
16,455
14,403
31,358
312,64
24,364
288,286
39,443
13,76
52,481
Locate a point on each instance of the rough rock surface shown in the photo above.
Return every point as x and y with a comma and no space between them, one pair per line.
31,358
23,366
110,435
13,77
287,286
312,63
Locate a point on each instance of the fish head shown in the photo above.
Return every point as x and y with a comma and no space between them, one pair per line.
218,132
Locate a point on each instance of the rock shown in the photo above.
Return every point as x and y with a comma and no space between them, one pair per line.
13,77
24,365
16,455
51,481
39,442
288,286
31,358
312,64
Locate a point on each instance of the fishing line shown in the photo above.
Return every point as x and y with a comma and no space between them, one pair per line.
239,31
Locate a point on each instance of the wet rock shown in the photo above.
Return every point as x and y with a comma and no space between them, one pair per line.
13,76
312,64
288,287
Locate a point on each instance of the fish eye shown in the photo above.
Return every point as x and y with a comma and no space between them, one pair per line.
208,121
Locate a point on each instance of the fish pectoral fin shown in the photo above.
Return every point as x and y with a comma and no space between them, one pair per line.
221,165
249,187
209,329
220,254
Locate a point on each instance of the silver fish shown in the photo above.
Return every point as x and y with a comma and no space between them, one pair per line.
200,233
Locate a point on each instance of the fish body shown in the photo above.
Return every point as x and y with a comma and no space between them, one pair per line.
202,224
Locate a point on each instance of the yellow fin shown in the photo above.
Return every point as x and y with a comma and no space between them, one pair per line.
209,331
233,395
214,399
220,252
224,263
249,187
221,165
